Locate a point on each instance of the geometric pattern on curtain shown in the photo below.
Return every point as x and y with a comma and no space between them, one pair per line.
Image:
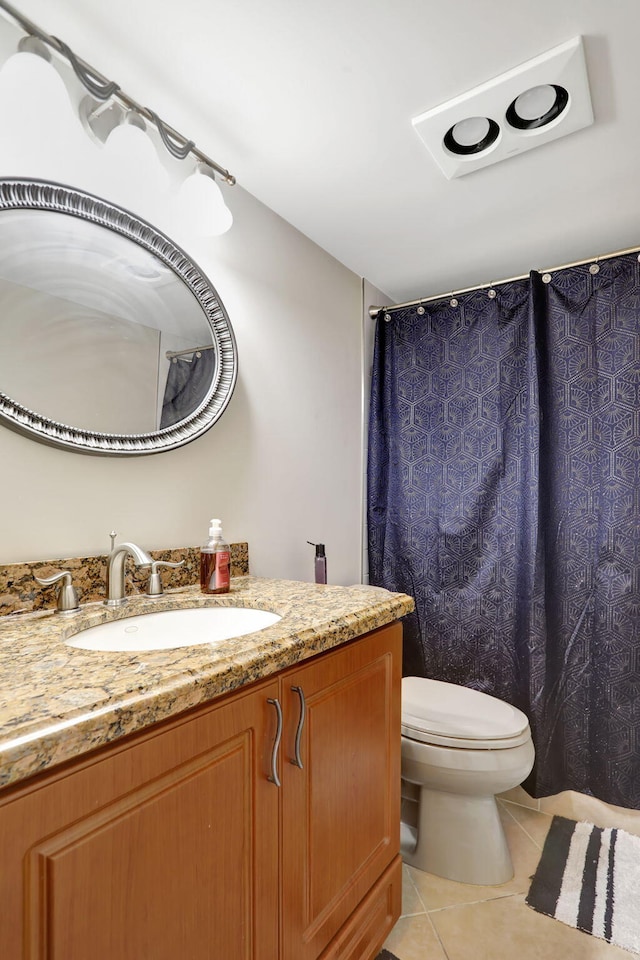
589,709
503,495
451,482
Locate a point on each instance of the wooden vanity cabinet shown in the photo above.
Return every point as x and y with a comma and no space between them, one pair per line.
341,811
160,848
176,843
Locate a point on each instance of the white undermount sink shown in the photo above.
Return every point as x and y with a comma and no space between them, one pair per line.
168,629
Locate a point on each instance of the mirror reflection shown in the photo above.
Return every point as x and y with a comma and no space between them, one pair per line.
97,332
112,340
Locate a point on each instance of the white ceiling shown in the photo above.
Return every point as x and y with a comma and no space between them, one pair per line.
309,103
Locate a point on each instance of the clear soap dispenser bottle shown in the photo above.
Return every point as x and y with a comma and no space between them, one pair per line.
215,561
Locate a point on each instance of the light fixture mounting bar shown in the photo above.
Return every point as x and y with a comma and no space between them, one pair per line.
103,89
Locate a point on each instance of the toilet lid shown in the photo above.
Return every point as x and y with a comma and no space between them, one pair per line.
450,715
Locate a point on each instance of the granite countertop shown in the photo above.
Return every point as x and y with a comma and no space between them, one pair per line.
57,702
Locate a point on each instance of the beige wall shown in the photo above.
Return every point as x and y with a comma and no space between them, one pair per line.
282,466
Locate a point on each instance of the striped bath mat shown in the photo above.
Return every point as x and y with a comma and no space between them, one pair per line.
589,878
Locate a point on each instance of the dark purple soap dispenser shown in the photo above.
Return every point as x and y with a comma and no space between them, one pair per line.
320,562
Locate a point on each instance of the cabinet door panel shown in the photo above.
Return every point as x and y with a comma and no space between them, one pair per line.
372,921
342,810
119,866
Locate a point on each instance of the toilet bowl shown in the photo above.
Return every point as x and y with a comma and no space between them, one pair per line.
460,748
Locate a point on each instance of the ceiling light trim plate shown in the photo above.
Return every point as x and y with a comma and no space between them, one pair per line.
563,66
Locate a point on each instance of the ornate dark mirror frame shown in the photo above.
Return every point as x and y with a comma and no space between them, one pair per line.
27,194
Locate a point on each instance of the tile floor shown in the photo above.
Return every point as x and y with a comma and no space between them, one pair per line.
444,920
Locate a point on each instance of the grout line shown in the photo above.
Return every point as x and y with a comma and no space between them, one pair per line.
511,815
525,806
424,907
475,903
437,936
535,842
450,906
407,874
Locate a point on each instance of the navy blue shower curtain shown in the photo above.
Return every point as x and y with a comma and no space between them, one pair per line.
188,382
504,450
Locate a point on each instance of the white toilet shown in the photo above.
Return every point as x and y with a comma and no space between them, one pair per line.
460,748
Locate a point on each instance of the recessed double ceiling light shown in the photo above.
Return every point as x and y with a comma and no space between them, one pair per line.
541,100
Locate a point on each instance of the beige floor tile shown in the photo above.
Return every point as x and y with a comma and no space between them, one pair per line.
411,902
437,892
520,795
535,824
562,804
578,806
507,929
413,938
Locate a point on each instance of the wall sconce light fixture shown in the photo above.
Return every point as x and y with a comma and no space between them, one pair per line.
106,110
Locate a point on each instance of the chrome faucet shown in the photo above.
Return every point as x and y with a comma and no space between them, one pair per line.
67,594
115,570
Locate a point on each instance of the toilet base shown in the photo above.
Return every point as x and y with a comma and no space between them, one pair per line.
459,837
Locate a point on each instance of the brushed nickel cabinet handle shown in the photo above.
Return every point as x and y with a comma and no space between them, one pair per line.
297,761
274,778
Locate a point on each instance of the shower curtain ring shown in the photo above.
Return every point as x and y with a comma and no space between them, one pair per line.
594,268
453,302
491,293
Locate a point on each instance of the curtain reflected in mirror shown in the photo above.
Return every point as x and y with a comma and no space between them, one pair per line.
188,382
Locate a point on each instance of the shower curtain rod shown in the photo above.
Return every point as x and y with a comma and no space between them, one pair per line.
374,311
172,354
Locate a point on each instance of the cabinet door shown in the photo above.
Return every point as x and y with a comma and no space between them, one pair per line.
164,847
341,811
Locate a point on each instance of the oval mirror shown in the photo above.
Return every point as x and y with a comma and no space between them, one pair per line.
112,341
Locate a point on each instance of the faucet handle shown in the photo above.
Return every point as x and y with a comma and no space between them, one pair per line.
154,583
67,594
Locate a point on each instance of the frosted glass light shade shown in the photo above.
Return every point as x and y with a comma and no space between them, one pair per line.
34,75
37,121
202,206
470,131
470,136
33,90
130,146
535,102
538,107
132,173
